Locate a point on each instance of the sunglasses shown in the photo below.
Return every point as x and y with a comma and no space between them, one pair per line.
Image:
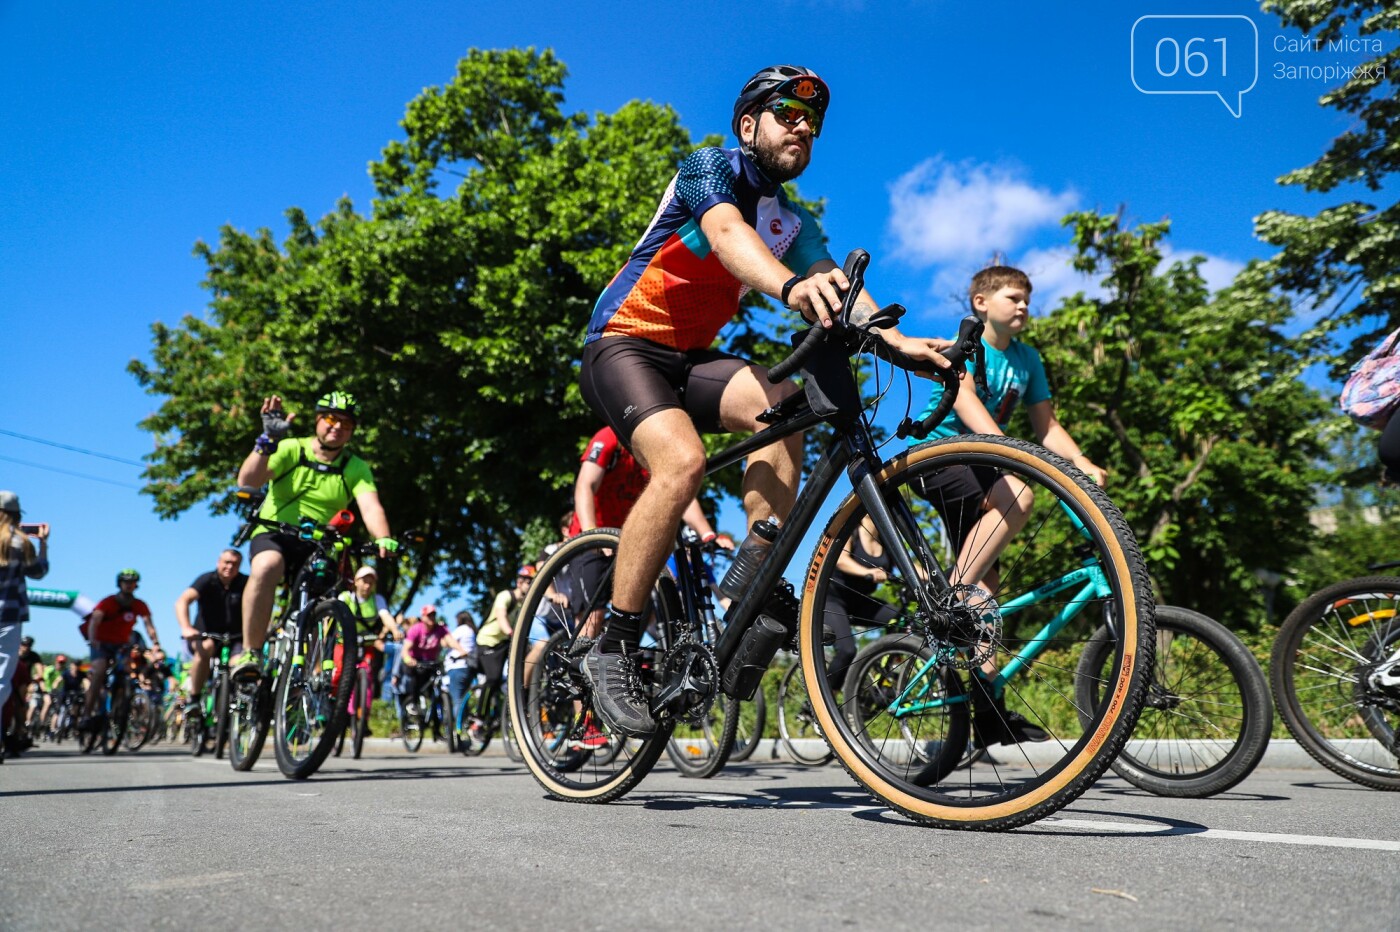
790,112
337,420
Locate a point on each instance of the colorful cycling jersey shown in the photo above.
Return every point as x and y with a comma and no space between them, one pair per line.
623,480
673,289
117,620
1016,375
304,487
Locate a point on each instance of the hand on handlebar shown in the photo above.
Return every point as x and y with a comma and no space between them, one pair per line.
924,349
818,297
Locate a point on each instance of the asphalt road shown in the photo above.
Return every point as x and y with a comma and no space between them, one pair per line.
159,840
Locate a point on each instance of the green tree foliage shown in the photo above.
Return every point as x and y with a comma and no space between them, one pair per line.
1194,405
1347,255
455,311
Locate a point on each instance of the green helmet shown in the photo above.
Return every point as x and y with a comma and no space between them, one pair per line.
128,575
342,402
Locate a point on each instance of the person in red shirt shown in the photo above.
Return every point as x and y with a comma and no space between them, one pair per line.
108,630
609,483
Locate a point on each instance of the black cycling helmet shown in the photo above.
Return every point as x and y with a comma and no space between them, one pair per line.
781,81
340,402
128,575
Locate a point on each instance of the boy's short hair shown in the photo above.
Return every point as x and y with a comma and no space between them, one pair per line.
996,277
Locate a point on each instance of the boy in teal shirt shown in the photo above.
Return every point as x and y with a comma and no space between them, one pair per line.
982,509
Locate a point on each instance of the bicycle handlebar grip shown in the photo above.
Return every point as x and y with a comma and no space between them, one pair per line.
854,269
969,341
787,367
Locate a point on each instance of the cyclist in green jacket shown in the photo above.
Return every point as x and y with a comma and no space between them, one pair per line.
308,478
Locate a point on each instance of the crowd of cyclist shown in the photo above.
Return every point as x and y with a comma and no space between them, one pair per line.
649,373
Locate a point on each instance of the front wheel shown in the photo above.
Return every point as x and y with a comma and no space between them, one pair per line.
411,722
313,689
1040,570
222,695
702,750
1334,675
362,709
1205,724
552,711
141,721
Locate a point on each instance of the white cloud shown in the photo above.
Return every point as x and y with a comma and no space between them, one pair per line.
1216,270
944,213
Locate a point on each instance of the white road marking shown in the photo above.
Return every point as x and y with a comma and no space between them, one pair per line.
1150,828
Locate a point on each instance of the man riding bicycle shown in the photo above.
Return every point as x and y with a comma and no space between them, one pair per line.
725,225
219,595
109,630
309,478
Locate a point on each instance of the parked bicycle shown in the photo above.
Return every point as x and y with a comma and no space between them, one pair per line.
687,676
1335,673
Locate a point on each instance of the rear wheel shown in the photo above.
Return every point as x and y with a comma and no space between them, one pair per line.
748,732
897,705
1071,536
1205,724
313,689
553,727
1334,672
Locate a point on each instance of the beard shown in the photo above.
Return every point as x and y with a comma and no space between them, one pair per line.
776,165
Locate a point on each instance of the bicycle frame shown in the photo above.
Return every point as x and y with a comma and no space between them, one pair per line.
852,450
1093,585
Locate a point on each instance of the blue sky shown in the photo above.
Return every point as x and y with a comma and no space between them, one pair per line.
128,132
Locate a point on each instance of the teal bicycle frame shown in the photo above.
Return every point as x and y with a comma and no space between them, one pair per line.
1093,585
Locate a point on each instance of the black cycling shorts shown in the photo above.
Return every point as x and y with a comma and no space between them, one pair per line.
958,493
626,380
294,551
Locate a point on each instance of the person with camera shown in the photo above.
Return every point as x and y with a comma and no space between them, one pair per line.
20,559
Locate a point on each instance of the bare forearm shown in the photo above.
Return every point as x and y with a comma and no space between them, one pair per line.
254,471
373,512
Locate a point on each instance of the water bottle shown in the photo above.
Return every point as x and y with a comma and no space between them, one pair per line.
752,552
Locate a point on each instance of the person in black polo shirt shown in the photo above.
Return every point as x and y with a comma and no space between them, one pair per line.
220,598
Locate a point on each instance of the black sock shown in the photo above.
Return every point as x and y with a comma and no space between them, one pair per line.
621,626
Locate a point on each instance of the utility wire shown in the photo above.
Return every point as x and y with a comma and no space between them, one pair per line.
69,472
64,446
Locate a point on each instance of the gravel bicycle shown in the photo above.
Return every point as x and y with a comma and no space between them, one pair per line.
1335,673
962,627
301,687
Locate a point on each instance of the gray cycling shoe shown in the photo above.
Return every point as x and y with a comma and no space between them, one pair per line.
617,692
